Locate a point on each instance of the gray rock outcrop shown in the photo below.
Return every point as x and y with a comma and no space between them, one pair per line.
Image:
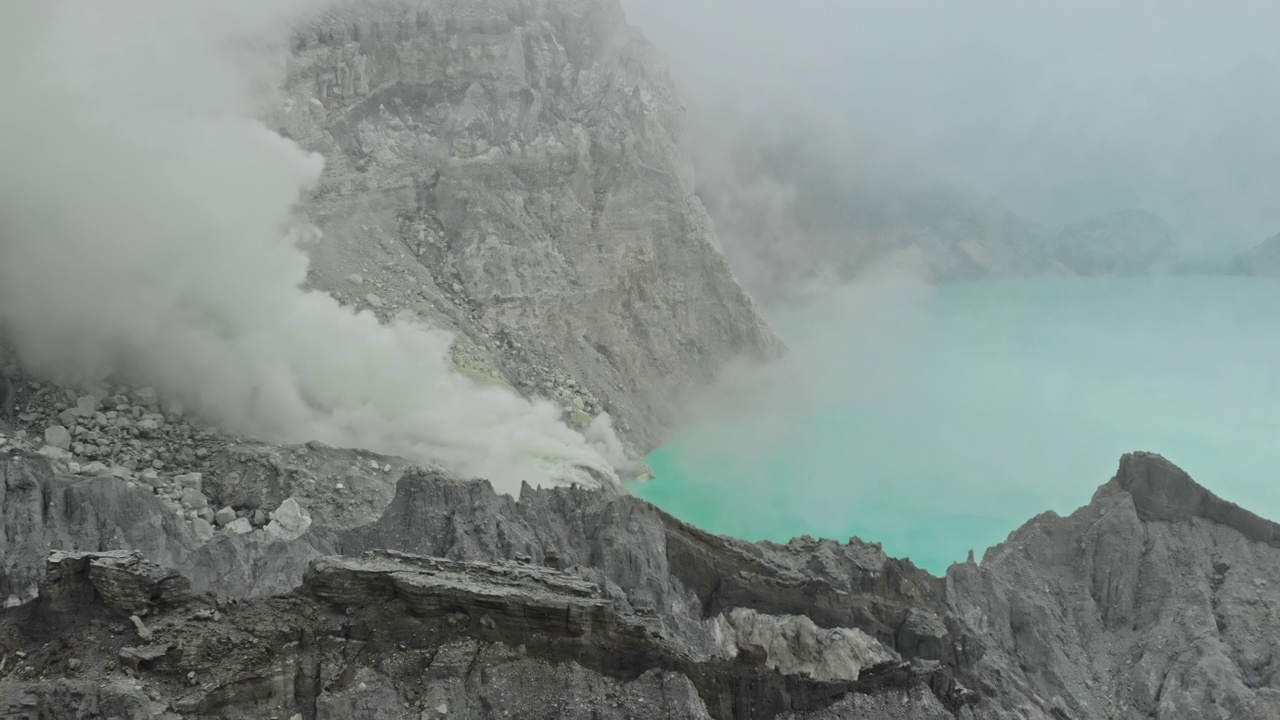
793,644
639,560
513,171
339,488
123,581
386,635
1155,600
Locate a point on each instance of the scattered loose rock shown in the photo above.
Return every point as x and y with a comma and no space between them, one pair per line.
202,529
224,517
193,499
240,526
289,521
58,437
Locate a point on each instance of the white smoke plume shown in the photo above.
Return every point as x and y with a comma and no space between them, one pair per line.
146,229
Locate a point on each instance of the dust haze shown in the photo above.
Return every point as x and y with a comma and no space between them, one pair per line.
1063,111
1060,112
147,231
905,116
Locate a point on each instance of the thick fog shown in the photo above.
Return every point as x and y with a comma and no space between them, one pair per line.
146,231
1062,110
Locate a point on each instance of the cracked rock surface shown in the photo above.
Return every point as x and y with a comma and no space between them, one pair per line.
1155,600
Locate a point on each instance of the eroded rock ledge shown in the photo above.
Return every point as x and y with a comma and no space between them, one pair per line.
366,636
1155,600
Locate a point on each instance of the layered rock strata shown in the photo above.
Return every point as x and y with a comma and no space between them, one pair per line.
1152,601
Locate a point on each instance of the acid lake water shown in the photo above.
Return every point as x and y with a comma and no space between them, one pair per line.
938,420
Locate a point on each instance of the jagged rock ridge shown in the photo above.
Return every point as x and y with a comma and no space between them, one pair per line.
514,625
1152,601
1156,600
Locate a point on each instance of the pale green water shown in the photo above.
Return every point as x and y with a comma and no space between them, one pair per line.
938,421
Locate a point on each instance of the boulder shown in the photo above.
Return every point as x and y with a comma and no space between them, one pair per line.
224,516
289,521
57,436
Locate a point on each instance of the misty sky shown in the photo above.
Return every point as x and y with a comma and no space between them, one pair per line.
1064,109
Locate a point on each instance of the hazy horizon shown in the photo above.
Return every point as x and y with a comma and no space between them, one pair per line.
1063,112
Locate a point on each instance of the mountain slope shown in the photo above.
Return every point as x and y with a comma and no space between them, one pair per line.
791,210
512,170
1156,600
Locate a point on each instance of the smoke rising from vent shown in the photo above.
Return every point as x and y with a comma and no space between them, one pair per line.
146,229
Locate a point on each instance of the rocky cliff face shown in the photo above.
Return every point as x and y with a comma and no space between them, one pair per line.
512,170
640,614
1155,600
386,635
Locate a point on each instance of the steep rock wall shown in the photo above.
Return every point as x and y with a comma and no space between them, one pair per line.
511,170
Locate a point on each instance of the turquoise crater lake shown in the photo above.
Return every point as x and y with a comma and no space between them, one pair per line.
935,420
